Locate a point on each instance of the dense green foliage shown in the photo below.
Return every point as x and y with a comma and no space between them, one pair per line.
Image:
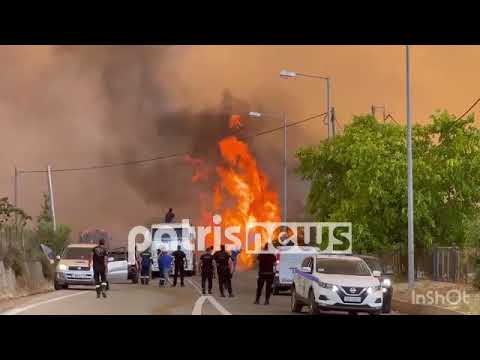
361,176
56,240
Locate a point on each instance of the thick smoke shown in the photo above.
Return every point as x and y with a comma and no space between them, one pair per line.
81,105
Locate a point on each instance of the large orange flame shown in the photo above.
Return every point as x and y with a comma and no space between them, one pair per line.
241,194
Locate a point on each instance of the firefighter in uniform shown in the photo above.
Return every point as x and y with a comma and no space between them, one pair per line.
145,266
99,259
224,271
206,269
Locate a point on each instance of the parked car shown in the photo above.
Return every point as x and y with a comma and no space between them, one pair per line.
385,278
74,267
121,254
336,282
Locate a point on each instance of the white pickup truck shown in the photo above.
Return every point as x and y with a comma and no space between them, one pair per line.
336,282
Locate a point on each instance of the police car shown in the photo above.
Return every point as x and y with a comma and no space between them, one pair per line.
336,282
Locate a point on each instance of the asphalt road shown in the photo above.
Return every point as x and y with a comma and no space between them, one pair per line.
137,299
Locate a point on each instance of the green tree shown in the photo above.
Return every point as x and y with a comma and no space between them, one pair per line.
56,240
361,176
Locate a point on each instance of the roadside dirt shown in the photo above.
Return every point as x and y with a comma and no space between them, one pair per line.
22,295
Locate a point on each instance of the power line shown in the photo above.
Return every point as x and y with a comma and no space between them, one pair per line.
281,127
161,157
469,109
94,167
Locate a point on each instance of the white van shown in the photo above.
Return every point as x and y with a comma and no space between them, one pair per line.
184,236
288,259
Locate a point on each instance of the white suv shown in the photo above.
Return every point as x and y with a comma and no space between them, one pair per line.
336,282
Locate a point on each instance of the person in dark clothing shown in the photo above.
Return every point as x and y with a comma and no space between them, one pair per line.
169,216
180,260
99,260
224,271
206,269
266,274
146,263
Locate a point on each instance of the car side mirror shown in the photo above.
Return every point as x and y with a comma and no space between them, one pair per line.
376,273
306,269
57,257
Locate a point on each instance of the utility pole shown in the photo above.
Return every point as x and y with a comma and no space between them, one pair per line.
15,199
15,194
50,191
333,121
15,188
328,107
411,257
285,170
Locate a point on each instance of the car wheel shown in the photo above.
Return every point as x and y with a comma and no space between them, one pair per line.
108,286
387,305
296,306
312,304
57,286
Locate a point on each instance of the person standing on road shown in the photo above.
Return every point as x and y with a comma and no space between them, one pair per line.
180,262
146,263
164,266
266,274
224,271
169,216
100,266
206,269
234,255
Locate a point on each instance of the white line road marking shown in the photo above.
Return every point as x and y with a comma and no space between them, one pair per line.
195,286
197,309
218,306
19,310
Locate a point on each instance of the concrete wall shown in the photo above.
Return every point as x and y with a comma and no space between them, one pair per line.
31,281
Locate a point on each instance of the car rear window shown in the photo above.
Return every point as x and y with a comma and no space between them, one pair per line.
344,267
77,253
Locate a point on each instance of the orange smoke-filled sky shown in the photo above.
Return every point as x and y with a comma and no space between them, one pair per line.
56,107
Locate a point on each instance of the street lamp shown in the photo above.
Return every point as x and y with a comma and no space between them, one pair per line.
254,114
411,249
286,74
